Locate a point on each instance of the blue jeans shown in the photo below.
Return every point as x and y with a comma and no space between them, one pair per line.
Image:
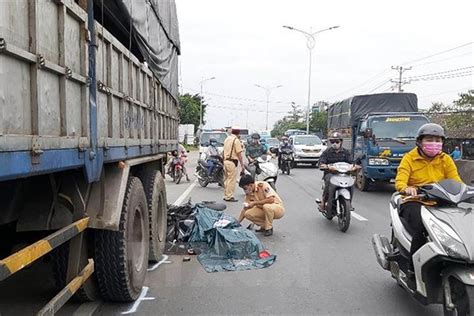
210,166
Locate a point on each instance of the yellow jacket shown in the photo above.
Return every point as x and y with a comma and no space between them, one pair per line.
415,170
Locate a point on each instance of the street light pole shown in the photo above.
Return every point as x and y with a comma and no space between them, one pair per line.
268,90
310,43
200,99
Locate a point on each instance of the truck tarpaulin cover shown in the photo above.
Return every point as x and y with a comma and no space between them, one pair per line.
225,245
348,112
155,31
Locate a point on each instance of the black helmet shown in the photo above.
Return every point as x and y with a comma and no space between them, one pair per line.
212,140
431,129
335,135
255,136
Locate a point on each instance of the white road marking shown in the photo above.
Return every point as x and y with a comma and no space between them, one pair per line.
291,177
141,298
359,217
185,194
164,260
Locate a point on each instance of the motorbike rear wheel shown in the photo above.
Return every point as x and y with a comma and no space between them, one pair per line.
344,216
178,174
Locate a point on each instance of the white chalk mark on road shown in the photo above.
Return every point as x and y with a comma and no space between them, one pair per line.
185,194
156,265
359,217
141,298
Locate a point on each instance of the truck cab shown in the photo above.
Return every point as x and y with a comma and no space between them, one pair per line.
379,142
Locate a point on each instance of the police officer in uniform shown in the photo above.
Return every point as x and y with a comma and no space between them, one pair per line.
262,204
232,156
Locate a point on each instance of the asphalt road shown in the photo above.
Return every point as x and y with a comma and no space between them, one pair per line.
319,270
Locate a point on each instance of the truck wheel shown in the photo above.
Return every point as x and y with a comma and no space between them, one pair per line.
362,182
59,260
121,256
155,192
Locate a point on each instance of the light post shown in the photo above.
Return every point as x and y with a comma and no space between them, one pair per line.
200,111
310,43
268,90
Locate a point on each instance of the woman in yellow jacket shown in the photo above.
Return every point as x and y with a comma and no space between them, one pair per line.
425,164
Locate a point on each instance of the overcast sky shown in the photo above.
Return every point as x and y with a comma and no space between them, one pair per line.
242,43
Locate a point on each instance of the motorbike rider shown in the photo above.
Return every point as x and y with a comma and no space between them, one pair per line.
212,154
425,164
180,152
265,145
335,153
254,150
285,144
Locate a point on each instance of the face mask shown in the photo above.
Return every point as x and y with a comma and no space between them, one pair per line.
285,142
336,145
432,149
213,144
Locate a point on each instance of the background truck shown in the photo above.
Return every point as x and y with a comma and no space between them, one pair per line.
379,129
88,110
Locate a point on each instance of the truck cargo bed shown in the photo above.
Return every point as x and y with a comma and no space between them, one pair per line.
48,119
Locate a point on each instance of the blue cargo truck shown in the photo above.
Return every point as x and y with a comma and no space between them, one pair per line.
378,129
89,109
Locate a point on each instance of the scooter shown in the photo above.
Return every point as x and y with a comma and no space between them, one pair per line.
340,204
265,170
444,266
177,168
286,160
217,175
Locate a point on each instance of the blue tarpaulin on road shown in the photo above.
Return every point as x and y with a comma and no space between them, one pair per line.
225,245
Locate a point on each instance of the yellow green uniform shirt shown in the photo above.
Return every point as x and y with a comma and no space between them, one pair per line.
415,170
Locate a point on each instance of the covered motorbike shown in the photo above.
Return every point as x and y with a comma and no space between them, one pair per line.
444,265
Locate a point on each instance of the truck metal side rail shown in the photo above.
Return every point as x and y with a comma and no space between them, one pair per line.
30,254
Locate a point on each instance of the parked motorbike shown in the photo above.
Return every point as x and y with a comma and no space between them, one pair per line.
286,160
444,266
265,170
217,175
340,204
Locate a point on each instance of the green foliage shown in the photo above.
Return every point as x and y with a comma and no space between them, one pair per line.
457,118
319,122
189,109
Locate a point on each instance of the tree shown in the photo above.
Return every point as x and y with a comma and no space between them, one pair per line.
189,109
457,118
319,122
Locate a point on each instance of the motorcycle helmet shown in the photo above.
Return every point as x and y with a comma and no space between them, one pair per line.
255,136
213,141
430,129
335,136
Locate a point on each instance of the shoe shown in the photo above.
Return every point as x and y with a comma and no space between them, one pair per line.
260,230
268,232
231,200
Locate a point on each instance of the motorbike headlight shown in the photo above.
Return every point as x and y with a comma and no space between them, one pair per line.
451,243
378,162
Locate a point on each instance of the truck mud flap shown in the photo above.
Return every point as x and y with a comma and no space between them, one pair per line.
30,254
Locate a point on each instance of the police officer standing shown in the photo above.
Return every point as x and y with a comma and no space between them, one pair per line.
232,156
262,204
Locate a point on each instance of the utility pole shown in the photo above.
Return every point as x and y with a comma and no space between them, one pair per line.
400,81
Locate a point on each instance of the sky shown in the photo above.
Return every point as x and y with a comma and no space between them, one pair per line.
242,43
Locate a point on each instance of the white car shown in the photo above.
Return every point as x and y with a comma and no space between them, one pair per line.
207,135
308,149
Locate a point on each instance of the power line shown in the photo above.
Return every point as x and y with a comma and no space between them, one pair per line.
439,53
441,60
379,86
441,77
442,72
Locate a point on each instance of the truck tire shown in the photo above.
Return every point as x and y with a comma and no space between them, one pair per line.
59,260
121,256
155,191
362,182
